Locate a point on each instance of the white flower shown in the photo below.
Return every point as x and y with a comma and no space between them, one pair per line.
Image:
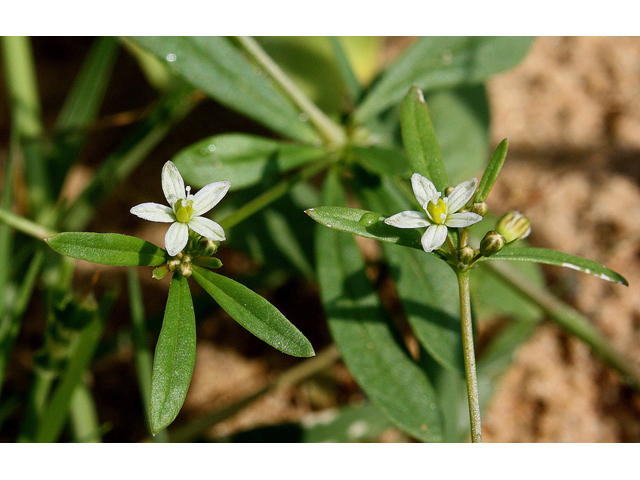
185,210
440,212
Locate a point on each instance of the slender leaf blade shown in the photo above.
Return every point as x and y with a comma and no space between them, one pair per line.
365,223
560,259
254,313
244,160
108,249
384,160
216,67
433,62
175,356
369,345
492,171
419,138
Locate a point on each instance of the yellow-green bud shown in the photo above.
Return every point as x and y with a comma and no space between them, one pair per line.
514,226
185,269
480,208
492,243
466,254
207,247
173,264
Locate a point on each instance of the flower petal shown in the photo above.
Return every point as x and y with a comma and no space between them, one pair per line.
154,212
172,183
209,196
176,238
434,237
462,219
207,228
408,219
424,190
461,195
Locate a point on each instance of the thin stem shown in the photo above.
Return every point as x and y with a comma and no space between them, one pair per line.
570,320
469,356
331,131
25,226
273,194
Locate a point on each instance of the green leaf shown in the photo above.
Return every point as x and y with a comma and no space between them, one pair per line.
560,259
433,62
365,223
242,159
175,356
254,313
419,138
426,286
460,119
368,342
384,160
220,70
492,171
108,249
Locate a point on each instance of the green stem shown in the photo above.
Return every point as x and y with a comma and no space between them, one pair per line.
570,320
273,194
83,416
328,129
24,225
469,356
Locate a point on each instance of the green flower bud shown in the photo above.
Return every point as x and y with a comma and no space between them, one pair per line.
207,247
492,243
480,208
514,226
465,254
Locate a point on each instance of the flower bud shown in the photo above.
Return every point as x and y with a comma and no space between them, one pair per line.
466,254
173,264
207,247
160,272
185,269
492,243
514,226
480,208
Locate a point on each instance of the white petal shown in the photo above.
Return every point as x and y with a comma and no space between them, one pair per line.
461,195
408,219
176,238
462,219
207,228
209,196
172,183
424,190
434,237
154,212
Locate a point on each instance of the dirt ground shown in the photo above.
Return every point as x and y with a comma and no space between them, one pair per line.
572,113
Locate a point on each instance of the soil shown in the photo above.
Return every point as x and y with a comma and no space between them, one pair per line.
572,113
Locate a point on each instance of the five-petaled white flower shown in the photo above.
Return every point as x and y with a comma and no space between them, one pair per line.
185,210
440,212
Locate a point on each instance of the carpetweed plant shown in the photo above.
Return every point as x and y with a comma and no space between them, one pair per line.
357,156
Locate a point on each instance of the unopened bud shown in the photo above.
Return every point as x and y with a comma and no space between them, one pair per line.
466,254
480,208
448,191
173,264
514,226
207,247
160,272
185,269
492,243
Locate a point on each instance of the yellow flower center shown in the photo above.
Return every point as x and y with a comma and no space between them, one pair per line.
184,210
438,211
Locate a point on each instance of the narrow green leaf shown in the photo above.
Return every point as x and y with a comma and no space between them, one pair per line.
108,249
369,344
384,160
426,286
365,223
175,356
215,66
560,259
354,89
242,159
492,171
419,138
433,62
254,313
